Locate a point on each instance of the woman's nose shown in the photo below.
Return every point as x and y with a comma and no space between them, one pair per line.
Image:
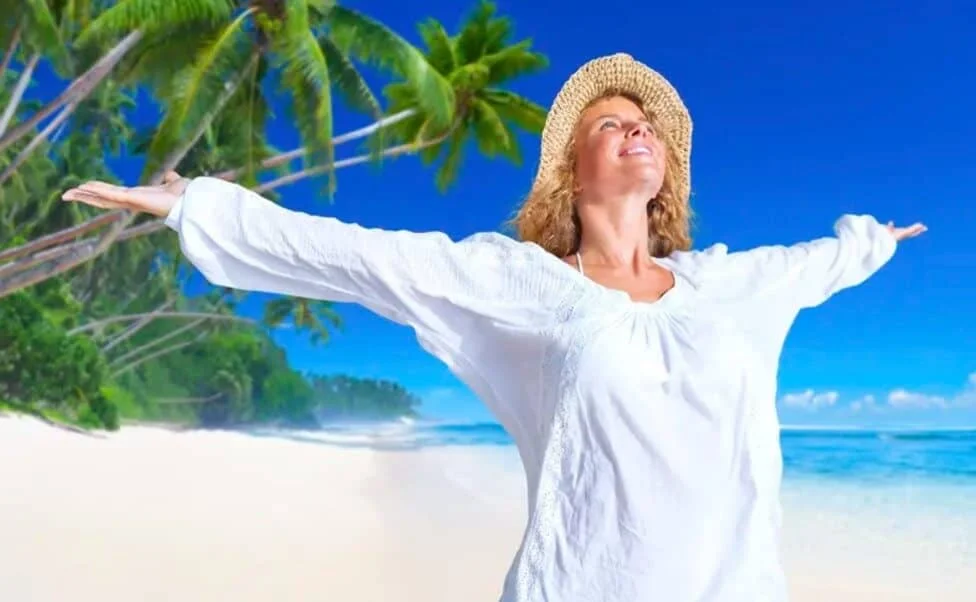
637,130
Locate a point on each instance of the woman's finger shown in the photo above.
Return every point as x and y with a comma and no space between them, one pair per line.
93,200
110,192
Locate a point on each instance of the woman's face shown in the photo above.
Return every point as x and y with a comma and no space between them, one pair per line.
617,151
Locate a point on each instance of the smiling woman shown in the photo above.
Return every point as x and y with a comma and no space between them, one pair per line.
639,391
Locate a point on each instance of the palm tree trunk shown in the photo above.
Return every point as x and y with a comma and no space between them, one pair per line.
37,141
160,353
142,348
283,158
77,255
213,397
77,90
58,237
8,286
157,225
18,92
134,328
48,255
17,267
11,49
169,314
394,151
22,274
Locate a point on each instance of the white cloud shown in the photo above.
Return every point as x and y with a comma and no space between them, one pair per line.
967,398
896,399
865,403
811,400
900,398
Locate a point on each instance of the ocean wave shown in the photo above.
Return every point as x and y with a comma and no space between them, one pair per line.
404,433
847,453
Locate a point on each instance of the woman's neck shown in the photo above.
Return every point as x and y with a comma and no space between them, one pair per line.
615,234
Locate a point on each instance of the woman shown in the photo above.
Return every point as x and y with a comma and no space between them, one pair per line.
637,377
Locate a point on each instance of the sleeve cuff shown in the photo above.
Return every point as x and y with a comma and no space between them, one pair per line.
176,211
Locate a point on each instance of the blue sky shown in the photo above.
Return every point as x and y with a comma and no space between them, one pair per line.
802,113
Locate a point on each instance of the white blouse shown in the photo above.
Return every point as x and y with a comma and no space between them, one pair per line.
648,431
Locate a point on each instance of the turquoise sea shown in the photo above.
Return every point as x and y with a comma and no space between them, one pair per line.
852,455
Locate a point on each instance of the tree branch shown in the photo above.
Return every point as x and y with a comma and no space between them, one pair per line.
394,151
23,274
169,314
66,234
283,158
139,325
24,154
11,49
161,352
159,224
170,335
17,95
213,397
77,90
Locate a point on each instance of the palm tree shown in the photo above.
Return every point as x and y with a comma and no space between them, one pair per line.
32,30
197,71
301,46
309,315
40,29
477,62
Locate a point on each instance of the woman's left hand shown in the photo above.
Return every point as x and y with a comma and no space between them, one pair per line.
912,231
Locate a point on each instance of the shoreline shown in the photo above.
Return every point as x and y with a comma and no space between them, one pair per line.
155,514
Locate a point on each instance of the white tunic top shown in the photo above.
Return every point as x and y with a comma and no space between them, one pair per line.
648,431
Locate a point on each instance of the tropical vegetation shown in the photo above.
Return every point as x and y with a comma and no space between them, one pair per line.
98,323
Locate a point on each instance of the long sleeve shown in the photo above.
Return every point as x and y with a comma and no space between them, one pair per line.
455,295
807,274
764,288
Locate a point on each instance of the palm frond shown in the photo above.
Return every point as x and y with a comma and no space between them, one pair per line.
78,13
490,131
348,81
448,171
43,33
153,15
470,43
374,43
197,88
514,61
470,77
160,58
516,109
440,48
306,75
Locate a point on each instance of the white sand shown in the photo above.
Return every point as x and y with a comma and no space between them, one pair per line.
152,515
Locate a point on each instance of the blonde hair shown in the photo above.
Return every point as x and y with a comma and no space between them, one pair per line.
548,216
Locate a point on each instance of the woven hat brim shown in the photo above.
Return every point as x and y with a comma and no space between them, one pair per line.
617,72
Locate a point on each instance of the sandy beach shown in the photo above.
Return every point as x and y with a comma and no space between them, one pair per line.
151,514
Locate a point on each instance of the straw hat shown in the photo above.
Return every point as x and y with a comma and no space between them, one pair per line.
617,72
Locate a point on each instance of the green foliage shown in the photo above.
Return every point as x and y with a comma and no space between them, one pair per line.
341,397
44,367
477,62
214,66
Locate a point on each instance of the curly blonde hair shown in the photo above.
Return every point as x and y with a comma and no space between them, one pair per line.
548,216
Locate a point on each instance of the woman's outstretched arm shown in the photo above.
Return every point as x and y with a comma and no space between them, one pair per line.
240,240
806,274
764,288
472,304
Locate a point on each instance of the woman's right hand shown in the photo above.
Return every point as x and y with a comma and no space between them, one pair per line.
157,200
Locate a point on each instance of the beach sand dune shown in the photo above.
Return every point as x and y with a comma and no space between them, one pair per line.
155,515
